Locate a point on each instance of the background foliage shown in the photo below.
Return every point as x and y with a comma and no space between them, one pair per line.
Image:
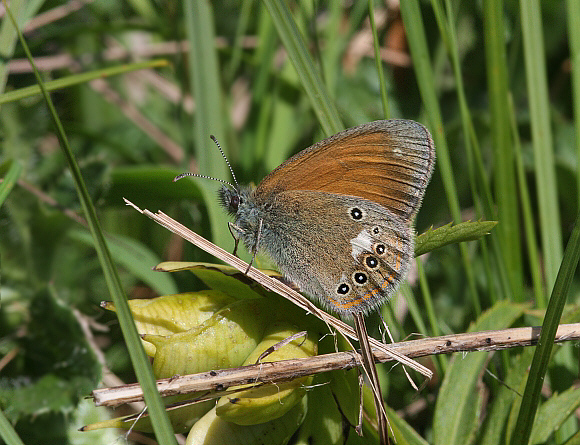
494,81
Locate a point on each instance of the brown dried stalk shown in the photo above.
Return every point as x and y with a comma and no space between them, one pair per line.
218,380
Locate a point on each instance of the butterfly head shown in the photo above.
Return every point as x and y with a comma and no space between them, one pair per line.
230,199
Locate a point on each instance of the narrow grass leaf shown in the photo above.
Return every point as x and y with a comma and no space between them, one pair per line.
503,154
7,432
459,401
204,76
539,366
310,79
140,362
417,40
544,166
573,15
9,180
493,430
553,413
77,79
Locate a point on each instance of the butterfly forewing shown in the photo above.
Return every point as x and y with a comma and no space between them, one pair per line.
388,162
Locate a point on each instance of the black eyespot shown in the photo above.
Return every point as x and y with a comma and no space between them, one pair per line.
376,230
360,277
235,202
343,288
371,262
356,213
380,249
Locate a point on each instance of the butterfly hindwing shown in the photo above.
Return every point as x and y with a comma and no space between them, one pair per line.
338,241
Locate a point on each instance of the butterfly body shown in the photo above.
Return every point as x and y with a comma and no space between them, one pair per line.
336,217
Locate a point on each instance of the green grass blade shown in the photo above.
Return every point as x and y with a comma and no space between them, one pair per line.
310,79
530,231
209,115
418,45
22,10
504,173
241,31
544,168
7,432
457,408
9,180
378,61
543,352
574,39
77,79
161,425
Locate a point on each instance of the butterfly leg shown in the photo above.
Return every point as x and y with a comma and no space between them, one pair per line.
255,249
233,228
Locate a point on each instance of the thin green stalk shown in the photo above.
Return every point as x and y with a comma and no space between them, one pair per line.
159,419
237,48
544,167
532,392
7,432
414,309
418,45
77,79
504,174
379,61
477,176
9,180
574,39
440,361
209,115
310,79
480,189
528,218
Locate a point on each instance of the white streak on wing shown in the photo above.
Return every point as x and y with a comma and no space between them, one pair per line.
362,243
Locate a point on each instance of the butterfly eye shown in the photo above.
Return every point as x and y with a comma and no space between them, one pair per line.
379,249
360,278
235,202
356,213
343,289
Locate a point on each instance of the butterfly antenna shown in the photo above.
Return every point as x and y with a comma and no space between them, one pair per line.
213,138
196,175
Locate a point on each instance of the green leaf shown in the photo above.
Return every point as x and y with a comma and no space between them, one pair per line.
495,422
10,177
135,257
76,79
449,234
7,432
49,394
553,413
226,279
459,401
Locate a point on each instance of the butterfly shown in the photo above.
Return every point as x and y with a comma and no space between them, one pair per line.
337,217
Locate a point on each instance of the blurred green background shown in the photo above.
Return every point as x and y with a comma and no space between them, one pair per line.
496,82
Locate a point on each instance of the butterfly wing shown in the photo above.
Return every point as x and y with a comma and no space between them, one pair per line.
348,252
388,162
